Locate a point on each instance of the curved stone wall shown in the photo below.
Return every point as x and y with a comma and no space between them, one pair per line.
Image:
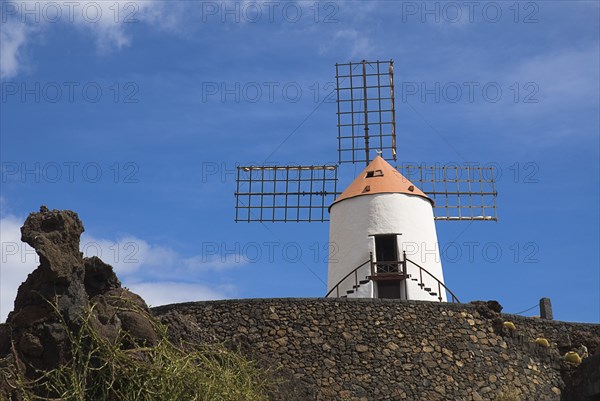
374,349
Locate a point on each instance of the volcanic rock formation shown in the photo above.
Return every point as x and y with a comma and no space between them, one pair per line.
61,290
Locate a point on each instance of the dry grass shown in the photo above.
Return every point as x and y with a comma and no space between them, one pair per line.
101,370
508,395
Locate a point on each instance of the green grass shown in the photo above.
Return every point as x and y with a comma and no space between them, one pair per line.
101,370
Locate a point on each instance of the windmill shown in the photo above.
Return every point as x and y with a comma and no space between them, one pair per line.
383,223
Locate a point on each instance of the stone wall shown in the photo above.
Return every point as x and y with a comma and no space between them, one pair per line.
373,349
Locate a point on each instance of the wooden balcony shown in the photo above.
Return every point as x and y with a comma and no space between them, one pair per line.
388,270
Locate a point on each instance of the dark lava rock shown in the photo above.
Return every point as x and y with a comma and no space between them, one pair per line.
587,339
63,286
488,309
59,278
99,277
4,338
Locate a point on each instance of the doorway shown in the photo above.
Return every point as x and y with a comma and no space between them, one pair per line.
386,251
387,263
389,289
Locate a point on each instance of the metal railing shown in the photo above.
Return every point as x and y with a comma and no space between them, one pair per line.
390,269
439,283
355,272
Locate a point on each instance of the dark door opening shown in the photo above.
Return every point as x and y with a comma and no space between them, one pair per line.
389,289
386,248
386,253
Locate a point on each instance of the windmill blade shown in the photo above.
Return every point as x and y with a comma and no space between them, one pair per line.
458,192
285,193
365,110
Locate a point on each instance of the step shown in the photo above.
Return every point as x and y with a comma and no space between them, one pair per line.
363,281
427,289
414,279
350,292
433,293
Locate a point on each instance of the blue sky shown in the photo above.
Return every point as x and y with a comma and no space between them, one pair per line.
134,114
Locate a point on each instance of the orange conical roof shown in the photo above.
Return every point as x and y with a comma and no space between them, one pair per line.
377,178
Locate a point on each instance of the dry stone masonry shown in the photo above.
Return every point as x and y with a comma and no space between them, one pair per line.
373,349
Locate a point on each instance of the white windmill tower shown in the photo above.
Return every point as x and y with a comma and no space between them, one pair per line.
374,223
382,225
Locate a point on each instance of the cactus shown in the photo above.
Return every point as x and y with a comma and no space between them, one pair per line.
573,357
510,326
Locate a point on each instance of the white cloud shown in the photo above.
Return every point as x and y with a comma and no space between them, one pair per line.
563,87
354,43
13,37
553,83
567,77
216,263
164,293
129,254
108,23
3,205
17,261
544,98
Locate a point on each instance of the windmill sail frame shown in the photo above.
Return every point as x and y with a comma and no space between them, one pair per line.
366,123
285,193
304,193
366,115
458,192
